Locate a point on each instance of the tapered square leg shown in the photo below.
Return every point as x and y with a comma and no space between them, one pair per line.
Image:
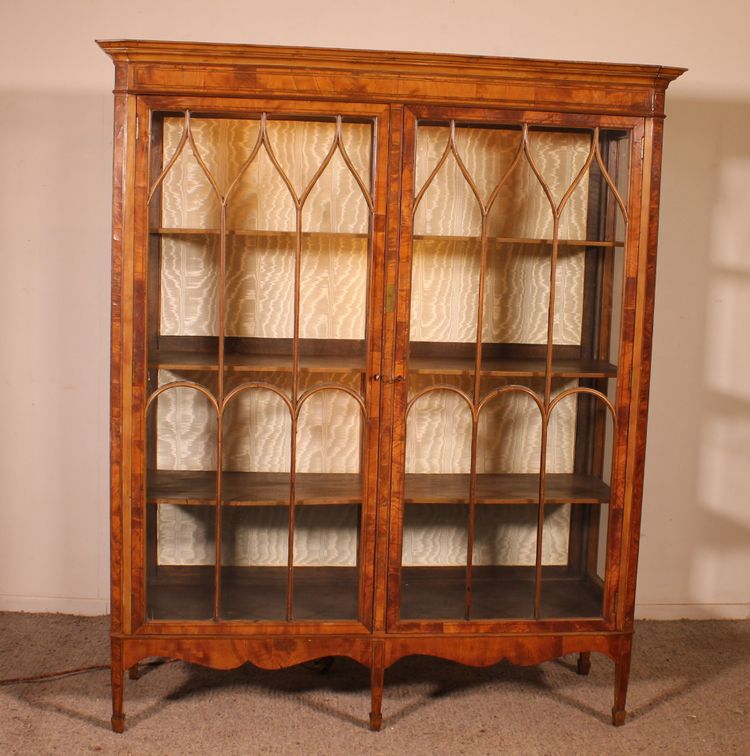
584,663
117,672
377,677
622,677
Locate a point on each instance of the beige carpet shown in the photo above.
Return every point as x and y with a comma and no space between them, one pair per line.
689,694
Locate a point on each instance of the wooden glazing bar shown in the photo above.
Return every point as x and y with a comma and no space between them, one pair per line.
547,391
477,382
220,425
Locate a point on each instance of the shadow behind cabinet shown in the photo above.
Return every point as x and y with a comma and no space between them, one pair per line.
380,356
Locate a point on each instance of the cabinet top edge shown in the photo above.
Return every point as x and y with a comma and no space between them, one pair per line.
393,62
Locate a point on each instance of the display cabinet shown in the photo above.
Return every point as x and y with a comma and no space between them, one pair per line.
380,356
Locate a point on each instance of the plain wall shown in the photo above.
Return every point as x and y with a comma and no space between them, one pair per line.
55,163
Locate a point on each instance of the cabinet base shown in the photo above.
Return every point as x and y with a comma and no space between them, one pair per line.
376,652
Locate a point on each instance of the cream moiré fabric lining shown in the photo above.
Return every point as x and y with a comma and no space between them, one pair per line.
333,305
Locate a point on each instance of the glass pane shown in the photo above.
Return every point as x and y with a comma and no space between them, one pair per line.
328,496
573,587
433,557
256,489
503,577
436,495
254,550
509,437
180,504
326,547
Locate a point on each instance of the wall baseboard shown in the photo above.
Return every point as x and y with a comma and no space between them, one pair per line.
38,604
692,611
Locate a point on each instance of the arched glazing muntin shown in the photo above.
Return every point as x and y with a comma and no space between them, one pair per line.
545,414
475,411
151,402
601,398
263,141
294,408
522,153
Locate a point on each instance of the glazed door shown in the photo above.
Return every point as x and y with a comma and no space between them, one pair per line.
260,328
518,259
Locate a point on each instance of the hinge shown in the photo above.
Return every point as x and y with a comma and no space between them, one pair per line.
138,128
643,146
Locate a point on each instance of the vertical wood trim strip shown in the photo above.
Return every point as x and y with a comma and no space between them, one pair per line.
621,497
139,372
654,131
117,410
127,377
372,603
395,351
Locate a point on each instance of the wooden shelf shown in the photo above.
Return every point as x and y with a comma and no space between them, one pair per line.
494,241
509,367
505,488
256,363
251,489
497,593
253,593
498,240
168,359
321,593
256,233
198,488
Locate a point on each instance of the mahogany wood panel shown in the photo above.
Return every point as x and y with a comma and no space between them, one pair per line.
304,72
